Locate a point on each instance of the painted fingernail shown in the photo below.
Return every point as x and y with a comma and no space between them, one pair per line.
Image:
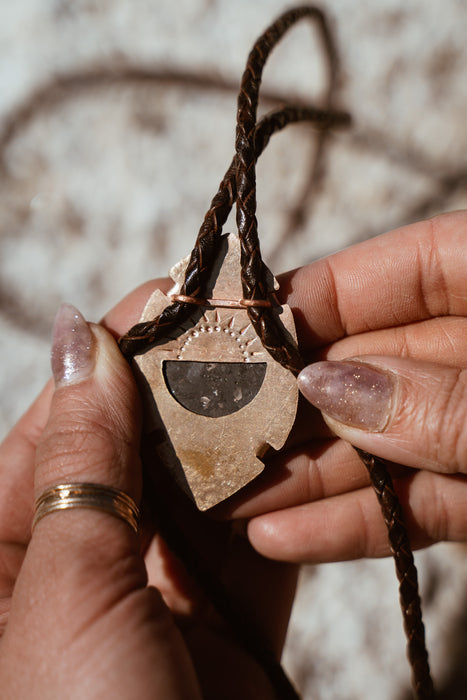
350,392
73,355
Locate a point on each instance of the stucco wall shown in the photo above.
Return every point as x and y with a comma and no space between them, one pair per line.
116,124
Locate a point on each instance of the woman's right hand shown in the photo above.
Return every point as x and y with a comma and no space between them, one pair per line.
392,313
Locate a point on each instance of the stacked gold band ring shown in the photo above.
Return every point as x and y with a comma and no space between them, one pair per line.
83,495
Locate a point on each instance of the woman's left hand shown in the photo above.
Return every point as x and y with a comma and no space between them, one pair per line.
84,612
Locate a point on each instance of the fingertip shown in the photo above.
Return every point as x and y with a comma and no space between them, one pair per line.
81,349
319,532
73,348
351,392
270,536
110,362
93,430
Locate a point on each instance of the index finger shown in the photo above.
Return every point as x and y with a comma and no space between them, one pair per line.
413,273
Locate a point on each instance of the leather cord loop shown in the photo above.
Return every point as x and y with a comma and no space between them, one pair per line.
239,186
142,336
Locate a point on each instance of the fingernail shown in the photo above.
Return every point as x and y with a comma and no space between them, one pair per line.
350,392
73,354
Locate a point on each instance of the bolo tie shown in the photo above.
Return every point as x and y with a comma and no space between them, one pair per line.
217,359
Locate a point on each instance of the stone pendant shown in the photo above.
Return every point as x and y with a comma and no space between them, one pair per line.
215,398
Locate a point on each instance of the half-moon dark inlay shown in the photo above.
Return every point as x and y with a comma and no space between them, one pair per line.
213,389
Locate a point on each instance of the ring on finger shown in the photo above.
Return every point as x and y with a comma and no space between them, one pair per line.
87,495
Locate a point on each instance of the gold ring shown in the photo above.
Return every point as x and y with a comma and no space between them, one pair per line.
83,495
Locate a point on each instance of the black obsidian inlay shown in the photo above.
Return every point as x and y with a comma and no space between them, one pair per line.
213,389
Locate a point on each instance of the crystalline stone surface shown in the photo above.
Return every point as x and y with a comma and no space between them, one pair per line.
213,388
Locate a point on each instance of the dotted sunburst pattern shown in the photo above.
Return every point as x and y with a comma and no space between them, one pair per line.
229,337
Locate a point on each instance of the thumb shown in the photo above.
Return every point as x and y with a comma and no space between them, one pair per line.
82,559
81,609
93,431
409,412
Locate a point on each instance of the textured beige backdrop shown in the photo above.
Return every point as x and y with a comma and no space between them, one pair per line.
116,124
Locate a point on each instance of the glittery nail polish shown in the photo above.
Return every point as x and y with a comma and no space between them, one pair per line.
350,392
73,356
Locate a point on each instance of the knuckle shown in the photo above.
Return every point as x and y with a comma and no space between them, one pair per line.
314,483
451,430
77,443
433,510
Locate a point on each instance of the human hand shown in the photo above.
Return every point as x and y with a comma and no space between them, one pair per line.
84,612
397,303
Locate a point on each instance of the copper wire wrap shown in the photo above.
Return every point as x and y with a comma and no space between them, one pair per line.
221,303
143,336
239,186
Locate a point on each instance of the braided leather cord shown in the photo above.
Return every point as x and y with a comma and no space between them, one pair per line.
143,336
264,320
239,184
271,334
406,573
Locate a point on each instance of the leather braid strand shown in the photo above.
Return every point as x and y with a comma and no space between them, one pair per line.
142,336
406,573
264,320
254,286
